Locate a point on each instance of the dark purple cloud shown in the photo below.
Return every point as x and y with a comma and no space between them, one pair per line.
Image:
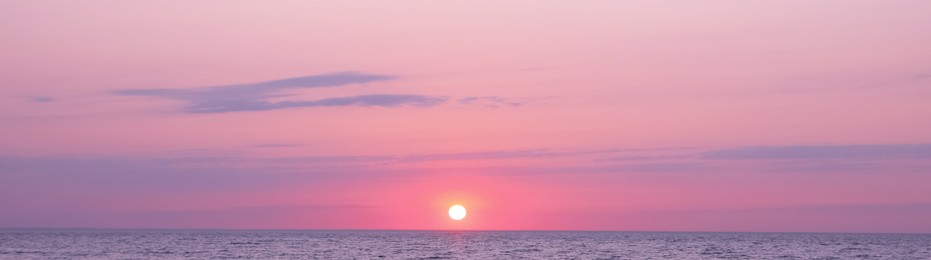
379,100
256,91
254,96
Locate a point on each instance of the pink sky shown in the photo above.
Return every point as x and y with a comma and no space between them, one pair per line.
542,115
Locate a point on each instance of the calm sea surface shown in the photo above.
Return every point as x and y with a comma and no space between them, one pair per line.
191,244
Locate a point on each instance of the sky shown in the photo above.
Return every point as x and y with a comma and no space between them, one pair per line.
771,115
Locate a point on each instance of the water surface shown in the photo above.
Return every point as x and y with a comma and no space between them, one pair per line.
204,244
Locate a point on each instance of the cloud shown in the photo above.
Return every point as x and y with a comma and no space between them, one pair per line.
646,157
208,159
879,151
490,101
43,99
664,167
518,154
254,96
234,217
380,100
485,155
259,90
276,145
248,217
821,166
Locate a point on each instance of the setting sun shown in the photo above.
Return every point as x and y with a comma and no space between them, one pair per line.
457,212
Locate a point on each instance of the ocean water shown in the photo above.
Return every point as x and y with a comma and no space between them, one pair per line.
208,244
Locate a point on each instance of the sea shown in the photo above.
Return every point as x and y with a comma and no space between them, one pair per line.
308,244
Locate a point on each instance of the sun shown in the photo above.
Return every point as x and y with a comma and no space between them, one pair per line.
457,212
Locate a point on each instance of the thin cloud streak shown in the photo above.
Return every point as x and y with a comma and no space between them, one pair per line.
489,101
253,96
43,99
276,145
252,91
380,100
879,151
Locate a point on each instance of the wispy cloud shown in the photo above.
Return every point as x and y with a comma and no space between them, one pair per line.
490,101
822,166
879,151
43,99
380,100
219,159
839,158
258,90
646,157
255,96
276,145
